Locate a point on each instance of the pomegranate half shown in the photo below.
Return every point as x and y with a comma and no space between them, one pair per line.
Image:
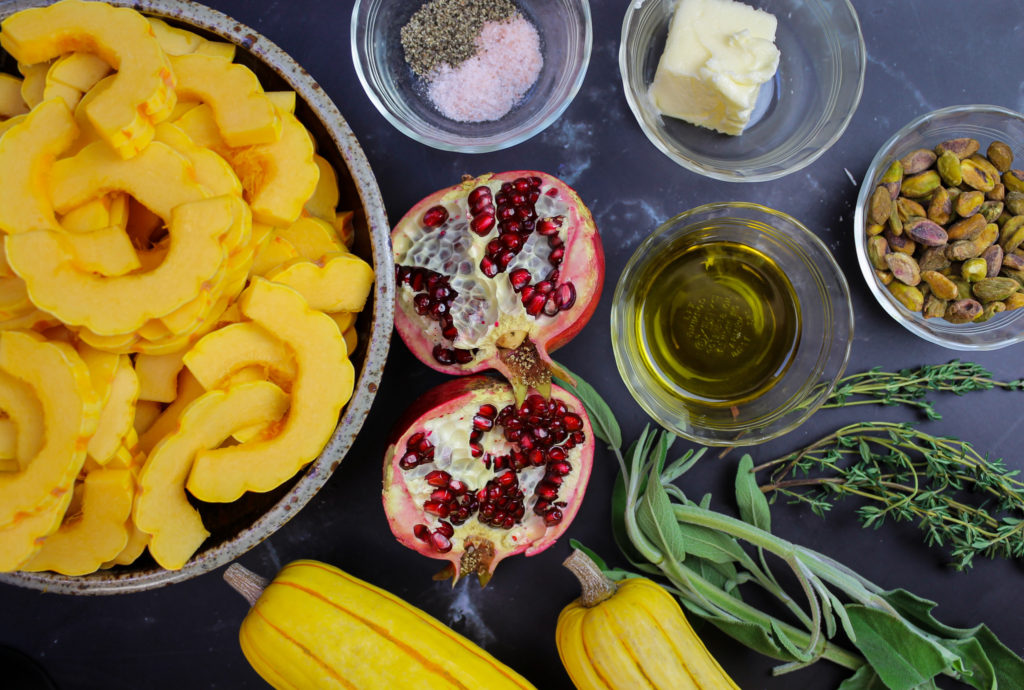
472,477
496,272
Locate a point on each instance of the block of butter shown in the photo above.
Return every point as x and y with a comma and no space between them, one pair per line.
717,56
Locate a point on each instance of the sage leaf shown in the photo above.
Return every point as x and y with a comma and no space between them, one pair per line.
902,656
752,502
591,554
789,645
754,636
606,427
657,521
918,611
707,543
619,532
864,678
975,668
1008,667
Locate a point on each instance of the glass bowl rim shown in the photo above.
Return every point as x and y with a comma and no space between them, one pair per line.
716,172
464,144
910,321
679,224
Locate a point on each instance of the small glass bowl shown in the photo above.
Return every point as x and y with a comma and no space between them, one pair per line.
984,123
800,112
566,38
817,362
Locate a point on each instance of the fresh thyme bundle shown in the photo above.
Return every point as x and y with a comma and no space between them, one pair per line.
971,504
709,558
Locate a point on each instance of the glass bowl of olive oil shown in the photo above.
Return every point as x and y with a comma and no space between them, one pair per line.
731,324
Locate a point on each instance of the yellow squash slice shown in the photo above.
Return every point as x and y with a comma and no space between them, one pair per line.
312,238
94,534
70,411
323,203
25,415
220,354
11,102
27,154
158,376
117,416
244,114
323,384
162,509
121,304
338,282
142,93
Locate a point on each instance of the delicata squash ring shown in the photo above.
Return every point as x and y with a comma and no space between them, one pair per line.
238,527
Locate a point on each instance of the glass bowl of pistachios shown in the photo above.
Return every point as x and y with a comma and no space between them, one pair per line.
939,227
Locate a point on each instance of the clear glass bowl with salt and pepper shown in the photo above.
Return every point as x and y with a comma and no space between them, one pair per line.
471,76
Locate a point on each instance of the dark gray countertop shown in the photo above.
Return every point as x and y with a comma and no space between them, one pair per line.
921,55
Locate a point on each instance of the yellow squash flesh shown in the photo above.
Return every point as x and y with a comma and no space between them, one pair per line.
315,626
630,636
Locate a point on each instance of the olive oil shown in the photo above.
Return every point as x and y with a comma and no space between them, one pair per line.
719,322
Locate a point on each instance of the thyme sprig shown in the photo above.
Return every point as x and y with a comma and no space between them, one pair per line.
910,387
959,498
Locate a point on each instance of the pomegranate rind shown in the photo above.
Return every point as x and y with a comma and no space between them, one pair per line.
467,394
583,263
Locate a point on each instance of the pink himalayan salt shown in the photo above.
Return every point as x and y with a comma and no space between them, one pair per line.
486,86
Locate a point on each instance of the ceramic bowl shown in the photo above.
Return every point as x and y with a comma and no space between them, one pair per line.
239,526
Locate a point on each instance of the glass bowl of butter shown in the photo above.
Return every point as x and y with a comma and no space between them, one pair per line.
743,92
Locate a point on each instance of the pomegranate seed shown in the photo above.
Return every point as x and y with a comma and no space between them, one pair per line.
457,487
438,308
518,199
545,286
488,267
446,529
535,403
536,182
421,303
484,208
559,469
555,241
553,517
482,224
551,306
506,187
528,226
537,457
487,410
505,258
533,196
437,508
475,435
441,496
540,507
553,478
557,254
441,543
527,292
513,435
521,184
506,212
526,442
511,240
450,332
556,454
540,434
460,516
513,226
438,478
409,461
481,192
493,247
549,226
464,356
547,490
482,423
525,213
435,216
416,438
508,522
552,192
552,275
421,531
444,355
494,492
507,479
475,449
572,422
487,511
577,437
535,305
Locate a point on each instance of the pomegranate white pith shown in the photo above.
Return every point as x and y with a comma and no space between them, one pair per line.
474,477
495,273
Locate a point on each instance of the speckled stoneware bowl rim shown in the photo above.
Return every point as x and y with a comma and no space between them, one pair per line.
317,473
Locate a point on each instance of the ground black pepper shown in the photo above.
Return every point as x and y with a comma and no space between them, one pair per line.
445,31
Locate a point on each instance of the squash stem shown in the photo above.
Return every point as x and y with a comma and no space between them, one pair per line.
245,582
596,585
